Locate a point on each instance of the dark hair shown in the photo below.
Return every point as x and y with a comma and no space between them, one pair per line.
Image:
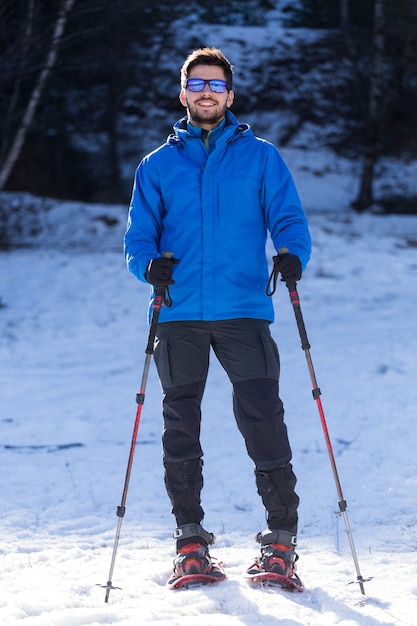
207,56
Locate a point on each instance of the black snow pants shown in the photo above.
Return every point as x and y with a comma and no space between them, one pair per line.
249,355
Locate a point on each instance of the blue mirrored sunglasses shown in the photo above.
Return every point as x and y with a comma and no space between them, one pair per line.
215,84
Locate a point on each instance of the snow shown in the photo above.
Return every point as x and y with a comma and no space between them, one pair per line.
73,332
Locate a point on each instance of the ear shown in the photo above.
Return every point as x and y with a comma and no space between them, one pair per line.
230,98
183,98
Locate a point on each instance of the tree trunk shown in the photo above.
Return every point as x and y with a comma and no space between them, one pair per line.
375,111
20,137
345,28
25,51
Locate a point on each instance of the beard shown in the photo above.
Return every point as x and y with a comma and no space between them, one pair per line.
212,117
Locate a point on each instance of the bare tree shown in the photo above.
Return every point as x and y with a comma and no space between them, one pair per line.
35,97
375,111
23,57
346,29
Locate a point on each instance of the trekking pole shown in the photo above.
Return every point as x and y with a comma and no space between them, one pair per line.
295,301
140,399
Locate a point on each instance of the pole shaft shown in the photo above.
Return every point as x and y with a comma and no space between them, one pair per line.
140,399
295,301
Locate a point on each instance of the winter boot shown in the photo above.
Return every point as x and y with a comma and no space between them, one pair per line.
277,552
192,551
193,564
193,558
276,564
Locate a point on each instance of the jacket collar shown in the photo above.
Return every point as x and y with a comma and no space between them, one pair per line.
231,129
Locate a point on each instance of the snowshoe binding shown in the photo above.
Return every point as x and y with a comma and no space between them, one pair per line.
276,565
193,565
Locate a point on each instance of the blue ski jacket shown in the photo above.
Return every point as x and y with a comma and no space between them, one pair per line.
212,208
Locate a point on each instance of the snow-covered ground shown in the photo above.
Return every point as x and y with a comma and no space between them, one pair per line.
72,339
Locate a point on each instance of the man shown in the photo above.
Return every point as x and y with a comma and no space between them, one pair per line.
209,195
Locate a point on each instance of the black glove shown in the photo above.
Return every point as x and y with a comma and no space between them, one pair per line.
289,266
159,272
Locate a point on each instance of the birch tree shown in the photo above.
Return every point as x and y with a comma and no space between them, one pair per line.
17,143
23,59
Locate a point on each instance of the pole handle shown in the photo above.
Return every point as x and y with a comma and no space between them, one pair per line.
158,301
295,301
164,291
271,286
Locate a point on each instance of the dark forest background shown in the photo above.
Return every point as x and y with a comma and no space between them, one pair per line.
348,69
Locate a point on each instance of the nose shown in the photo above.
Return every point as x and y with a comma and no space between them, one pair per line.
206,88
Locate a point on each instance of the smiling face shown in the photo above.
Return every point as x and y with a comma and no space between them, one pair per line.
206,108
